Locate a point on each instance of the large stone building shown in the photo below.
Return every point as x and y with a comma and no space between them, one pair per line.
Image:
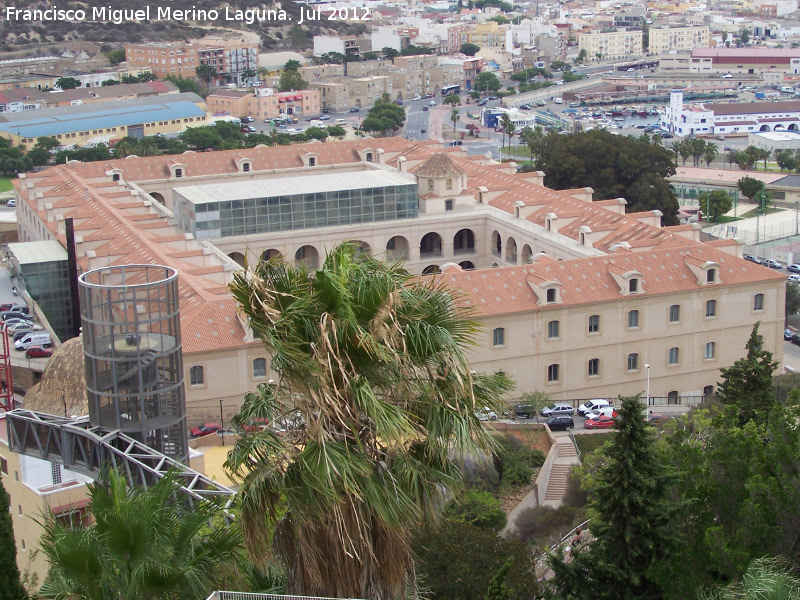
562,284
677,38
753,61
264,103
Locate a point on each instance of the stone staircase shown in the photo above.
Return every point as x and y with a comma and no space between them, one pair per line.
566,458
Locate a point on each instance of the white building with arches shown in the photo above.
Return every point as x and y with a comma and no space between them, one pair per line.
574,294
713,119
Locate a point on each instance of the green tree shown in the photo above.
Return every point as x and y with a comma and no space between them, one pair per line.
412,50
384,116
291,80
645,36
792,298
509,129
291,65
534,402
710,153
766,578
454,117
390,53
487,82
109,83
337,131
633,514
716,203
207,73
200,138
477,508
786,160
68,83
10,583
184,84
115,56
749,187
142,544
370,56
459,560
614,166
146,76
497,586
249,74
452,99
316,133
372,362
581,58
747,384
744,36
469,49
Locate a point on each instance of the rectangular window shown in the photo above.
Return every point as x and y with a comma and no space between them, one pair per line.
633,319
711,308
594,324
553,329
758,302
499,337
633,362
260,367
594,367
196,375
673,355
674,313
552,373
4,466
711,349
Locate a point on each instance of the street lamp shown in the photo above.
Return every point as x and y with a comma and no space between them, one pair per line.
648,384
221,423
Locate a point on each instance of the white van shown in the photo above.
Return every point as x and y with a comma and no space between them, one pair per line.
592,405
558,100
35,338
341,121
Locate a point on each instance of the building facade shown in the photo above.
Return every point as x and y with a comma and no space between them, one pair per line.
264,103
677,39
164,59
611,44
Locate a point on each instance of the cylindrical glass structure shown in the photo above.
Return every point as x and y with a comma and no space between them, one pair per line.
132,354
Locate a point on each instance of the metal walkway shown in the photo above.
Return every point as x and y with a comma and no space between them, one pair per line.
79,446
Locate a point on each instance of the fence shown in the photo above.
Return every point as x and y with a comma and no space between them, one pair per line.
669,400
221,595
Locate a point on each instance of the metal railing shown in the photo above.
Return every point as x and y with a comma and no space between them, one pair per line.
543,479
574,442
223,595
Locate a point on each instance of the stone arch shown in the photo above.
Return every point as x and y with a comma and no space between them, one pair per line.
497,244
308,256
793,127
464,242
362,247
527,254
271,254
495,266
430,245
467,265
158,198
779,127
511,251
237,257
673,398
397,248
430,270
765,128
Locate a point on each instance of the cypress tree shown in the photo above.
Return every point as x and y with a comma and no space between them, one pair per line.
630,528
11,587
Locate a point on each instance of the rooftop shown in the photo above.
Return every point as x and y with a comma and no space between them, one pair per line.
67,119
289,186
38,252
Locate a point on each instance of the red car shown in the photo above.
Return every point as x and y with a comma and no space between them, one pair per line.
601,422
204,429
656,419
38,352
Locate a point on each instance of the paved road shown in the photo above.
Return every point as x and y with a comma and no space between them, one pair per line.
417,120
17,357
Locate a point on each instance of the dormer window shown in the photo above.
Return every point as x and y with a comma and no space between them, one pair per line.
551,295
369,156
711,276
449,184
178,173
312,162
115,177
245,167
633,286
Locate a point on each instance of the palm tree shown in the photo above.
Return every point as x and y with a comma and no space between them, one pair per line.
147,147
710,153
454,117
124,147
766,578
508,127
142,544
373,402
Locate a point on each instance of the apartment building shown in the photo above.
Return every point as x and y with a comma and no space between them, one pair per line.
489,33
264,103
620,43
164,59
231,57
677,39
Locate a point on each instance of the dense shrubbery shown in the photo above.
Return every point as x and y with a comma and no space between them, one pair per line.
515,462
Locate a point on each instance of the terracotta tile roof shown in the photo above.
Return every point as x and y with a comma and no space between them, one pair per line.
438,165
755,108
506,290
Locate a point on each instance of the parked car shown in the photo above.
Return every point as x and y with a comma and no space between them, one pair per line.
794,278
324,117
752,259
562,422
423,130
795,268
355,109
787,335
608,411
247,119
204,429
559,408
601,422
486,415
655,419
591,405
38,352
14,314
12,203
772,263
525,411
22,324
425,108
